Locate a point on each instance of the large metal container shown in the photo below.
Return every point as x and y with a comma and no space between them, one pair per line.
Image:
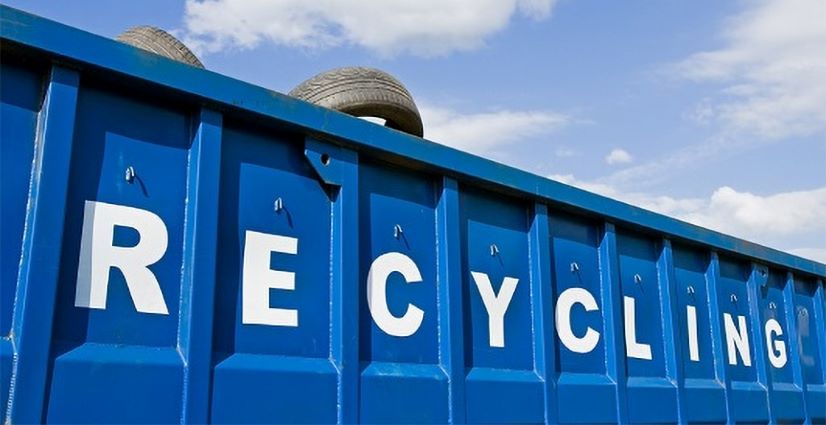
179,246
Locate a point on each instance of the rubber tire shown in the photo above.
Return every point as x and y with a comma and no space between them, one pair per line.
363,92
160,42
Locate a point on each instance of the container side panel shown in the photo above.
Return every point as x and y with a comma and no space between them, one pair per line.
118,298
747,398
401,380
20,95
703,392
785,393
585,392
451,339
182,247
271,338
652,397
811,332
501,385
198,275
542,303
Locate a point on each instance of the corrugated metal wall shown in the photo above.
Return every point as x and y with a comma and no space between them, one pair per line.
168,257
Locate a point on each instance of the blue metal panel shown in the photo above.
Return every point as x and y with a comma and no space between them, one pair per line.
747,398
259,171
401,379
811,344
785,389
61,40
35,297
652,396
114,354
611,299
345,271
19,104
545,360
582,376
200,251
665,322
703,390
451,338
501,385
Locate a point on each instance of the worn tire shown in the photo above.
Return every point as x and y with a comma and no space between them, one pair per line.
364,92
160,42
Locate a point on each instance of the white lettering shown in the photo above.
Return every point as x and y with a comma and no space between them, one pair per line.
98,255
633,348
258,278
380,270
693,345
775,347
737,339
565,302
496,305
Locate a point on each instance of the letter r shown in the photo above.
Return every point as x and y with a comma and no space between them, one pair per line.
98,255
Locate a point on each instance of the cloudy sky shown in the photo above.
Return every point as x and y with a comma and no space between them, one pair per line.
709,111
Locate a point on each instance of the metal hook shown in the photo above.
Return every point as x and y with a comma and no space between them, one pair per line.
397,231
129,176
494,250
279,204
637,278
772,306
574,267
733,298
690,290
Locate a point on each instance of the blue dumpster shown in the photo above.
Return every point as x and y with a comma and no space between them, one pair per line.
182,247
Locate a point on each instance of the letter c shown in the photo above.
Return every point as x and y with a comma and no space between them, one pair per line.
380,270
565,302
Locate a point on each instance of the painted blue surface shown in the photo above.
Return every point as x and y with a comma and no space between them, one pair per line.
701,382
198,280
37,285
111,134
401,380
582,376
216,159
19,105
651,392
99,52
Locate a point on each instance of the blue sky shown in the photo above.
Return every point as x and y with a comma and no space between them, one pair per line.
713,112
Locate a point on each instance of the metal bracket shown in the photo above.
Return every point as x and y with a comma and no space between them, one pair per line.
761,275
327,160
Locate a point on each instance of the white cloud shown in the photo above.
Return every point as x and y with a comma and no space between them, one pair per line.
772,90
618,156
482,133
772,68
422,27
792,221
817,254
650,173
563,152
